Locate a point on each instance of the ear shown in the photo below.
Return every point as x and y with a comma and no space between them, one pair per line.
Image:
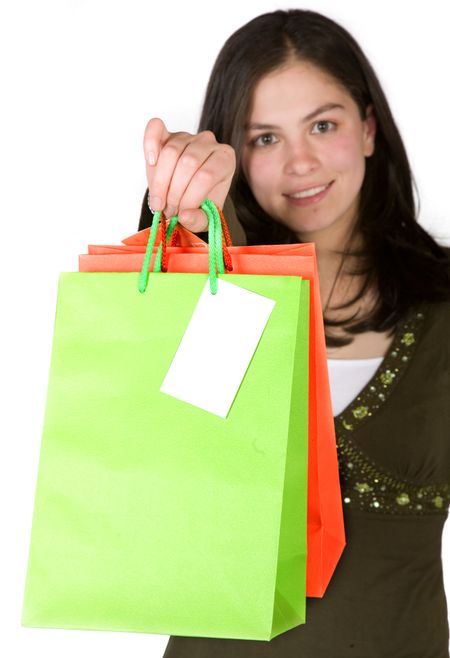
370,129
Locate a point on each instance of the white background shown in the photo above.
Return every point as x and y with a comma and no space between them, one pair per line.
79,81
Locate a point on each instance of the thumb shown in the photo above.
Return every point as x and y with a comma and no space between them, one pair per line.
194,220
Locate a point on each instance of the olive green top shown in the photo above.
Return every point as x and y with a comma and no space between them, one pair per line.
386,598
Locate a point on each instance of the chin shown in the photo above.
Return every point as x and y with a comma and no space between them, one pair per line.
304,228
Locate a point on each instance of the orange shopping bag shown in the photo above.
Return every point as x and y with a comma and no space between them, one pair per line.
325,531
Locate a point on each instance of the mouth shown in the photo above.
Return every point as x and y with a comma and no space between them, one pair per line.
309,196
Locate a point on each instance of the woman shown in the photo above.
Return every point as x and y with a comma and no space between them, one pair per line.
297,136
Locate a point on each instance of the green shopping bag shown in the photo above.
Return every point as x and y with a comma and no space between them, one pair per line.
152,515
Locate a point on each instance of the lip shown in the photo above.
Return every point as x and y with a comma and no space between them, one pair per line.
308,201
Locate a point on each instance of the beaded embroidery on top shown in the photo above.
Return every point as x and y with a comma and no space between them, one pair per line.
365,486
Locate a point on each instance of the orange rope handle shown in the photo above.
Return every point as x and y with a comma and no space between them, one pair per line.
173,242
225,229
226,242
226,257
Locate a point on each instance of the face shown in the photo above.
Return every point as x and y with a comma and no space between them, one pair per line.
305,149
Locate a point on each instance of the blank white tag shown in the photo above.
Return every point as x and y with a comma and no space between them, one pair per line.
225,329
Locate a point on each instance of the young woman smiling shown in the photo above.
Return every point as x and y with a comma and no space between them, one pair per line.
297,142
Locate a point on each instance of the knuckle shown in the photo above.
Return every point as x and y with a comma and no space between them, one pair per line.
205,176
171,149
180,139
172,201
208,134
189,161
229,152
183,135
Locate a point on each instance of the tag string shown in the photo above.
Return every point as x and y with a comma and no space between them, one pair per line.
219,239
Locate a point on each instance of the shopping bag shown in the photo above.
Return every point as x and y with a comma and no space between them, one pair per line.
325,532
152,515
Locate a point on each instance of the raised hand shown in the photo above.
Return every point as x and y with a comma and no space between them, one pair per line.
183,169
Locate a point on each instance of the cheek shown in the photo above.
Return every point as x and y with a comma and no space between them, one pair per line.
260,172
347,154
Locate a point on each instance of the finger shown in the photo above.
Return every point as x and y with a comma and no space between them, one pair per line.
190,161
212,180
159,178
155,136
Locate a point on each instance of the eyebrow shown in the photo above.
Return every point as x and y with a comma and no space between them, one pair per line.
323,108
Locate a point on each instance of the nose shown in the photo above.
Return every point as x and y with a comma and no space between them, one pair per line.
300,158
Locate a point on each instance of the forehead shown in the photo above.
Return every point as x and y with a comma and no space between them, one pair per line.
298,85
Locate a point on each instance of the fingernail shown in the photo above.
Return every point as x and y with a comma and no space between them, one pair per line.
151,158
155,203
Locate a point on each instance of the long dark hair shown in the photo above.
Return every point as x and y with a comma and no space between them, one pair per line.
399,258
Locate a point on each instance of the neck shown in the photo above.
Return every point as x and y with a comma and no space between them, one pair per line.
336,285
332,240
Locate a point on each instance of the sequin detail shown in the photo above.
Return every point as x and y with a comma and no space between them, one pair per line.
365,486
408,338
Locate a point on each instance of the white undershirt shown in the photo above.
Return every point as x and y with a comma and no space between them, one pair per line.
347,379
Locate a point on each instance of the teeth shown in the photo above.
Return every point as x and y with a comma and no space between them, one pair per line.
307,193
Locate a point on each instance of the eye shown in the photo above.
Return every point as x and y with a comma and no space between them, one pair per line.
323,127
264,140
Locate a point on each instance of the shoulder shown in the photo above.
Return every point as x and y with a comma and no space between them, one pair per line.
436,312
437,323
446,250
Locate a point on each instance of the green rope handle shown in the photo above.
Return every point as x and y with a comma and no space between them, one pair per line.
216,262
